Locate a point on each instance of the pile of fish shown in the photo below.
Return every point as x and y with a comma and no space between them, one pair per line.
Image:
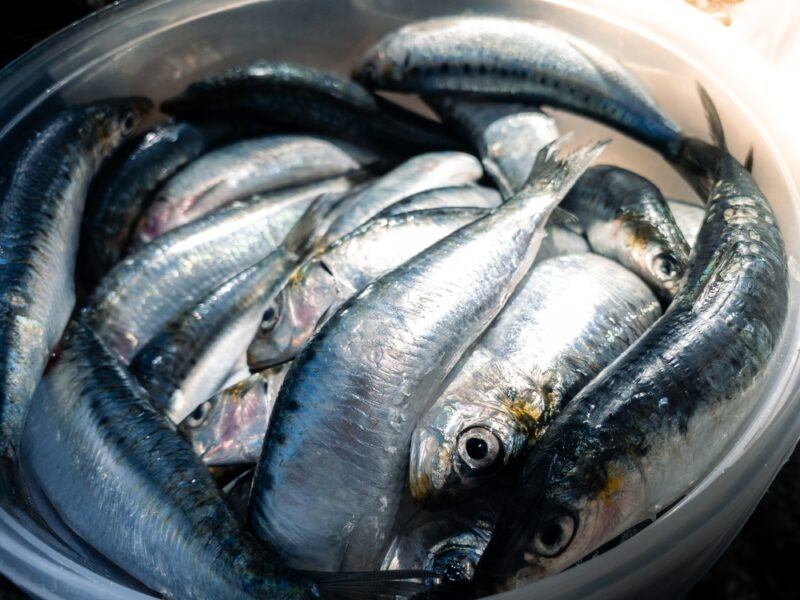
297,341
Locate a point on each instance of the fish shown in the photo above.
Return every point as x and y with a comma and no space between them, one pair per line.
330,277
656,420
125,185
417,174
248,167
303,98
342,423
688,217
229,428
41,203
191,358
452,196
449,542
124,480
506,135
504,59
144,292
569,319
627,219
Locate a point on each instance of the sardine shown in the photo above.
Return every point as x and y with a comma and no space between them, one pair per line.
654,422
343,420
688,217
303,98
570,318
455,196
150,287
190,359
41,204
328,279
229,428
417,174
122,478
124,186
245,168
627,219
506,136
480,57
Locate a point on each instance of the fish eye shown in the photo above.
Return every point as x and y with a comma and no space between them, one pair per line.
269,319
128,123
199,414
666,265
555,535
479,448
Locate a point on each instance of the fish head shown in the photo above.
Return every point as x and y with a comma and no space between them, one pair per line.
118,119
659,257
224,429
466,439
392,63
572,505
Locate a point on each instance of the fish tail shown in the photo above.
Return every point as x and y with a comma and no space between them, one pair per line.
310,228
552,173
376,584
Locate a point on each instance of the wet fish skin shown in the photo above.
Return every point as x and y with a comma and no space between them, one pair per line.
657,419
229,428
304,98
190,359
506,135
124,186
420,173
369,370
149,288
244,168
628,220
493,58
329,278
41,204
688,217
121,477
453,196
569,319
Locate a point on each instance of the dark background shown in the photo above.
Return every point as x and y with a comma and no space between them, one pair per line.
762,561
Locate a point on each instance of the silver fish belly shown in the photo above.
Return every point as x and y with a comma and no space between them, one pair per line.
367,375
570,318
507,136
480,57
454,196
245,168
688,217
122,478
153,285
41,205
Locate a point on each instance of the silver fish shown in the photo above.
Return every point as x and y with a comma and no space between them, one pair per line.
654,422
455,196
242,169
417,174
688,217
229,428
507,136
627,219
149,288
481,57
122,478
41,204
343,420
190,359
570,318
328,279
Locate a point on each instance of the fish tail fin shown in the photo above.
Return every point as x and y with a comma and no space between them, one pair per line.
697,160
553,173
376,584
310,228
